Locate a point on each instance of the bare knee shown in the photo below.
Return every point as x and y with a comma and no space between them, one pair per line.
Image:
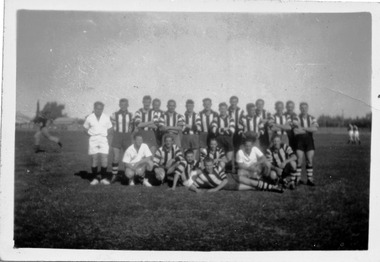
129,173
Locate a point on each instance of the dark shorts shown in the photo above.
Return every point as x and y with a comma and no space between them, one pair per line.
121,140
190,141
233,182
203,139
305,142
287,171
292,140
149,137
264,141
226,143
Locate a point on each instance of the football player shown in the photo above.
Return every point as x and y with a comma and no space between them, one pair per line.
278,123
215,153
236,113
171,123
350,130
191,127
186,168
356,134
43,120
290,116
207,115
251,124
265,116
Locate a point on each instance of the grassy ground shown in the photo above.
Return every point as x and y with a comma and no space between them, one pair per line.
56,208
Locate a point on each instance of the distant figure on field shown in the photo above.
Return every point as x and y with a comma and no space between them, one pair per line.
356,134
350,130
43,120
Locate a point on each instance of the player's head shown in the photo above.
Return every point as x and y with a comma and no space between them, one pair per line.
304,108
276,140
223,107
123,104
209,164
279,106
290,106
189,155
251,109
171,105
213,143
249,143
234,100
98,108
137,137
156,104
207,103
260,104
169,141
146,101
190,105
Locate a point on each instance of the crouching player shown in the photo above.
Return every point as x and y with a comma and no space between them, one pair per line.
97,126
214,179
214,152
138,159
166,160
283,163
43,120
186,168
251,161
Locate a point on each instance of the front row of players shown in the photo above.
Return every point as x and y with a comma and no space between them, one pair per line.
168,163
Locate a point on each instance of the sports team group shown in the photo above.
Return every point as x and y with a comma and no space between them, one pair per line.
228,149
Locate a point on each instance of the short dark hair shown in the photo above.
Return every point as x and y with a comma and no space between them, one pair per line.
249,106
234,97
189,151
223,104
172,101
211,138
208,160
207,99
278,102
289,102
304,103
156,100
123,100
147,98
250,138
98,103
136,135
260,100
169,136
189,102
275,136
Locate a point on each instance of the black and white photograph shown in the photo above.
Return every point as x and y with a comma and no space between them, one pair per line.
189,129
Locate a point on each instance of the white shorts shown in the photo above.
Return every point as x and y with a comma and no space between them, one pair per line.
351,133
98,145
356,134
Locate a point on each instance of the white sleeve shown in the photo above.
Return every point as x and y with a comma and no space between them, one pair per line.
86,123
127,157
258,152
109,123
147,152
238,157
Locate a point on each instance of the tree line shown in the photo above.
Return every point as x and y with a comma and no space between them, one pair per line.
340,121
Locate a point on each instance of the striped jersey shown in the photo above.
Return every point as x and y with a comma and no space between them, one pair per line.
206,120
307,121
251,124
236,115
194,121
276,157
171,120
122,122
217,154
185,168
163,155
280,120
263,114
210,180
144,116
157,115
223,125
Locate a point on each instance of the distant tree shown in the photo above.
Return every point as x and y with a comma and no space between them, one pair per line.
55,109
339,121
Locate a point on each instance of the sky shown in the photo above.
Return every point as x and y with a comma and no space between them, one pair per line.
77,58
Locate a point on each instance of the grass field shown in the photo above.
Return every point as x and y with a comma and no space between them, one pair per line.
57,208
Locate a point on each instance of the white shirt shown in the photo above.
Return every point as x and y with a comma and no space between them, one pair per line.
243,158
97,127
131,156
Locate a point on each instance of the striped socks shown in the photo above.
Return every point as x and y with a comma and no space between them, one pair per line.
309,172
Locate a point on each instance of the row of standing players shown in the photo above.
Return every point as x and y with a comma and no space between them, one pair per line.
228,141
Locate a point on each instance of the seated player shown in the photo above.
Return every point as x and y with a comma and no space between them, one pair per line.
251,161
97,126
213,179
171,123
251,124
356,135
215,153
283,162
166,160
304,127
190,137
43,120
186,168
137,159
223,127
278,123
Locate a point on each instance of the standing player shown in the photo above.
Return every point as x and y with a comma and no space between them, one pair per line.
214,179
43,120
290,116
123,126
207,115
145,122
137,160
279,124
192,122
283,162
215,153
223,126
166,160
265,116
97,126
186,168
236,113
251,124
350,130
171,123
356,134
305,126
157,115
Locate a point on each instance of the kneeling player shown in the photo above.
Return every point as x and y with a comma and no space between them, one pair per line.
251,161
166,160
217,154
186,168
214,179
283,162
138,159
